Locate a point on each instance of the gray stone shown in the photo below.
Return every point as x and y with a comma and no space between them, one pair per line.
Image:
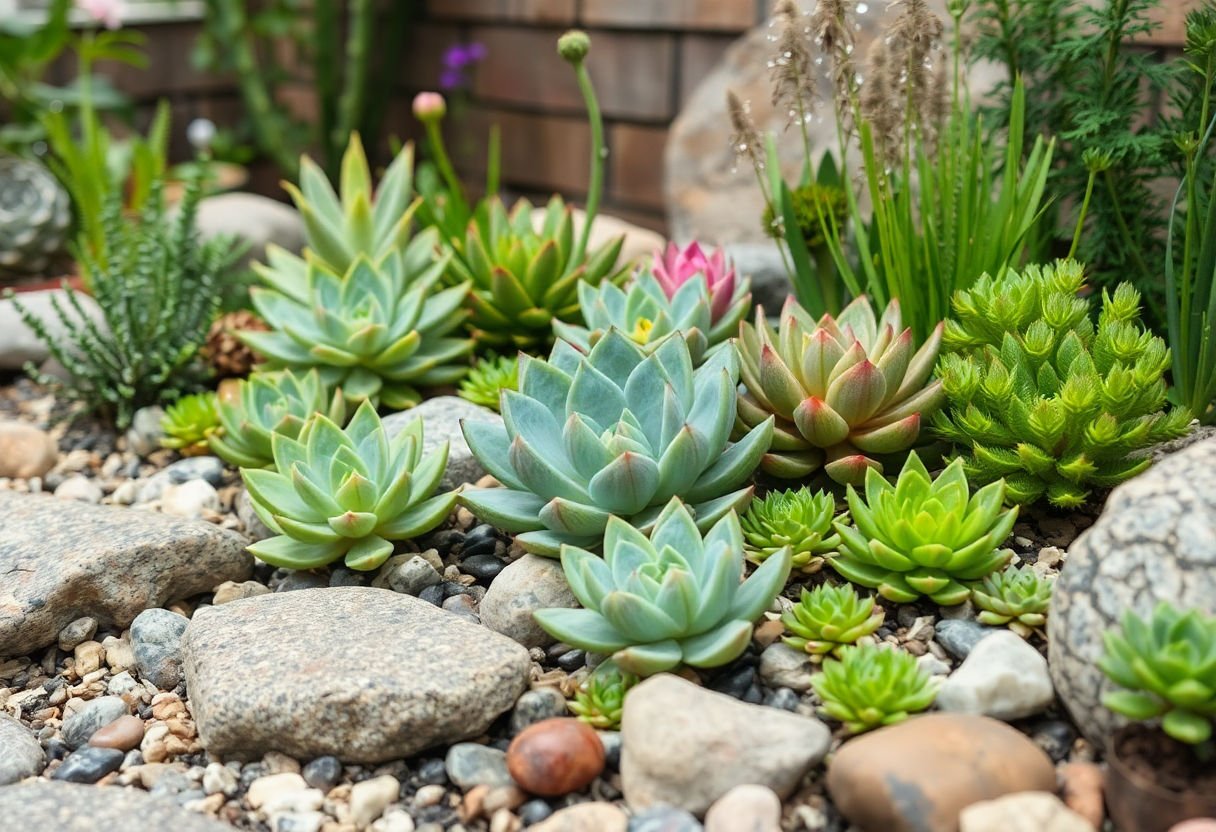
311,673
255,529
470,764
441,417
535,705
719,742
208,468
80,488
65,560
960,635
20,344
762,263
143,437
95,714
1155,541
663,819
80,630
410,574
747,807
88,764
67,807
22,755
1003,677
25,451
781,666
257,220
156,641
529,584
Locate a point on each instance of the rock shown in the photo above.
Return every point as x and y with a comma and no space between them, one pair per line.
283,792
124,733
529,584
960,635
25,451
781,666
663,819
1195,825
88,764
23,756
255,529
1198,433
555,757
470,764
219,779
484,568
720,743
87,657
441,418
395,820
118,654
309,673
585,817
640,243
257,220
78,727
536,705
322,773
409,574
207,468
66,807
190,499
144,435
1022,812
19,344
1155,541
369,798
1081,787
80,488
230,591
156,641
745,808
916,776
79,631
763,263
66,560
1003,677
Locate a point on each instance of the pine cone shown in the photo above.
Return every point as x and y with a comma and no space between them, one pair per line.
226,354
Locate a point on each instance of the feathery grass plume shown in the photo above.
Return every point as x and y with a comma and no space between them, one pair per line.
880,103
915,44
831,30
745,141
790,70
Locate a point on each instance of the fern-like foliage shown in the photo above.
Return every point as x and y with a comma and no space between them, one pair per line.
1040,395
158,291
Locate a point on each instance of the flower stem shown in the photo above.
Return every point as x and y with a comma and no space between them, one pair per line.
595,186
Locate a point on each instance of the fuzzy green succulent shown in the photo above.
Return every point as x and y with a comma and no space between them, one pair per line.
870,686
190,422
671,598
1017,597
828,617
600,699
809,203
346,494
1040,396
616,431
924,536
1167,665
253,410
488,378
801,520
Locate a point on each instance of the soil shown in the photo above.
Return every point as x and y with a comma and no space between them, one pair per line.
1165,762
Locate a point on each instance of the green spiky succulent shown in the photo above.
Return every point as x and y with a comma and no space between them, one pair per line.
849,393
671,598
600,699
346,494
615,431
810,202
870,686
189,423
524,277
1041,397
252,410
488,378
924,536
801,520
829,617
1016,597
1167,664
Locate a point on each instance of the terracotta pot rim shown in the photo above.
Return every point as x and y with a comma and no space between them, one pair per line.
74,281
1149,786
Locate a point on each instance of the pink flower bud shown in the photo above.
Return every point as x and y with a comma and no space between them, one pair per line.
429,106
106,12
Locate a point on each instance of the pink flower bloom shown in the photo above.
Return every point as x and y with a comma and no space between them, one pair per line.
673,268
429,105
108,13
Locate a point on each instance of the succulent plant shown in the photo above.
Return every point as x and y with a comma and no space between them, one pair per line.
251,411
673,598
1168,666
1017,597
829,617
801,520
612,432
346,494
809,202
1041,397
189,423
923,536
846,391
600,699
35,216
488,378
870,686
524,277
729,296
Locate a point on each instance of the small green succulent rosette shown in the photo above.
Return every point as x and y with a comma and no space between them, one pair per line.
869,687
189,423
801,520
488,378
1017,598
828,618
600,700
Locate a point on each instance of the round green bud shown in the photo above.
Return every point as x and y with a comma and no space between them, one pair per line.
574,46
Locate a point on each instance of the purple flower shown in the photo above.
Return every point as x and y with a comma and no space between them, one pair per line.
450,79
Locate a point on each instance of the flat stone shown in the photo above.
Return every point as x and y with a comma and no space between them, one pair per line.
441,418
719,742
960,635
81,725
23,756
124,733
311,673
67,807
88,764
526,585
1003,677
747,807
585,817
66,560
25,451
470,764
156,641
19,344
1022,812
781,666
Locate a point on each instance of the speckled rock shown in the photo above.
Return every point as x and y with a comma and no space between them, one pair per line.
25,451
314,672
1003,677
23,756
65,560
441,423
526,585
745,808
67,807
585,817
96,713
156,641
1155,541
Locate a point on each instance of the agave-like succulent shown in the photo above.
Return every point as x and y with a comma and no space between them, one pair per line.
673,598
801,520
829,617
189,423
1168,666
729,296
1017,597
846,391
524,277
601,697
870,686
488,378
612,432
346,494
924,536
251,411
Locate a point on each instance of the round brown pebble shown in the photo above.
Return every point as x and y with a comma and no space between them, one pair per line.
124,733
1082,785
555,756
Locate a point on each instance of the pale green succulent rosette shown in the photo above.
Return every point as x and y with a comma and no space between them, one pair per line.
672,598
189,423
1017,598
870,686
613,432
828,618
799,519
346,494
600,700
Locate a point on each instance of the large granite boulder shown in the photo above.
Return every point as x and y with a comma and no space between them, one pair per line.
19,344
